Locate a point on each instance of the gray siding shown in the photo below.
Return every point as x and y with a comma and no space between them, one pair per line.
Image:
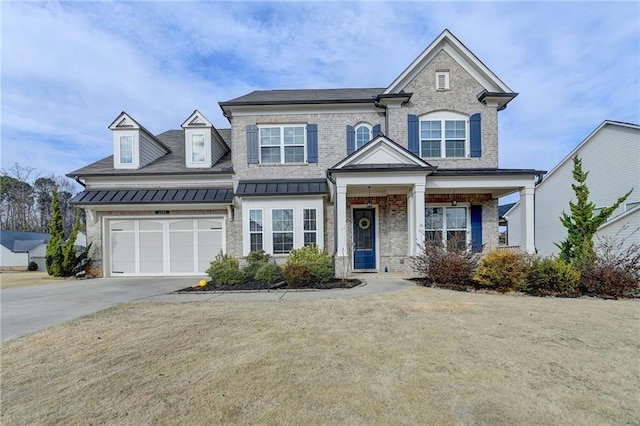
149,150
218,149
612,158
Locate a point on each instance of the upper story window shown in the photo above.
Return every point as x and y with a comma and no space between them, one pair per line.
282,144
198,153
442,80
444,134
363,135
126,149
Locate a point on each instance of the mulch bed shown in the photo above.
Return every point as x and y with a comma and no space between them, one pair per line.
260,285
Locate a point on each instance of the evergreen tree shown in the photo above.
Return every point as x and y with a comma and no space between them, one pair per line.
69,259
54,256
582,224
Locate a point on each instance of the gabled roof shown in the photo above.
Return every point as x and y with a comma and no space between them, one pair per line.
18,241
125,122
460,53
171,163
382,153
503,209
196,119
572,154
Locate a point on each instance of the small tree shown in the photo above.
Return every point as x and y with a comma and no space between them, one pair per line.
54,257
69,259
582,224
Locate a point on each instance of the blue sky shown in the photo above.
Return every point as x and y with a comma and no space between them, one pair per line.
69,68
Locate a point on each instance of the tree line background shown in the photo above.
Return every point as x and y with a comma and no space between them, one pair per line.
25,200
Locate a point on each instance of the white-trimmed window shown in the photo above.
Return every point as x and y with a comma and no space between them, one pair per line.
198,152
282,144
442,80
126,149
279,225
310,226
444,135
282,226
443,223
255,230
362,134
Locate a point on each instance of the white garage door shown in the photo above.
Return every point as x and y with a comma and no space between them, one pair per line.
164,247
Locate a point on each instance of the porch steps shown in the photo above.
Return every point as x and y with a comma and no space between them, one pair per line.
380,275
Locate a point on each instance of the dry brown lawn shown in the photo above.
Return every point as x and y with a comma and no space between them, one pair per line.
422,356
9,279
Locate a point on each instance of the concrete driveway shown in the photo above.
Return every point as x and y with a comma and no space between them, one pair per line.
33,308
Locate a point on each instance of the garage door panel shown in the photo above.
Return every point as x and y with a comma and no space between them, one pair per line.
123,252
165,246
151,252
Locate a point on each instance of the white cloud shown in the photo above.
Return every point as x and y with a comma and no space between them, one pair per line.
80,64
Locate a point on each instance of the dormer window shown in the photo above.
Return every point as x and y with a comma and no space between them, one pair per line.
126,149
363,135
442,80
198,152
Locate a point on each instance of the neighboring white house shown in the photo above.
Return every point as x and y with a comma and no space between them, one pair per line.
18,248
611,155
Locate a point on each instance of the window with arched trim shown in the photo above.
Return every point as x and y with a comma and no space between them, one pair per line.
363,134
444,134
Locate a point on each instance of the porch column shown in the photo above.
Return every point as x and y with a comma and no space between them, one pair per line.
418,229
341,219
411,222
527,242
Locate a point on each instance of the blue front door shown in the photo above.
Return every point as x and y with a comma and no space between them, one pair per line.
364,239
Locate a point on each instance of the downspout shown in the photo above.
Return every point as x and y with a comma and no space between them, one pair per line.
80,182
335,222
386,116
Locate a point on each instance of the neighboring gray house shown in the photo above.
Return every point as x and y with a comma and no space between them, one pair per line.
19,248
611,155
366,173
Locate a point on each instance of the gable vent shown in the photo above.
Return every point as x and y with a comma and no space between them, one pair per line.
442,80
124,123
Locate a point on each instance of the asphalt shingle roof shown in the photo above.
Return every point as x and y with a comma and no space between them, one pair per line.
261,97
19,241
171,163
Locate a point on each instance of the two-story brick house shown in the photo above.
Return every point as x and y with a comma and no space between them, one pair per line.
366,173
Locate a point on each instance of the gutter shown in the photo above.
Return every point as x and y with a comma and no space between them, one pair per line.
80,182
386,116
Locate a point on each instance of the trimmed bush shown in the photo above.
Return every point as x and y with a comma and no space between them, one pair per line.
32,266
297,275
551,276
255,260
269,273
502,271
258,256
225,270
450,266
317,262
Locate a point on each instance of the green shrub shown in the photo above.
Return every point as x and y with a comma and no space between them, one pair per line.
502,271
225,270
33,266
255,260
551,276
318,262
297,275
452,265
258,256
269,273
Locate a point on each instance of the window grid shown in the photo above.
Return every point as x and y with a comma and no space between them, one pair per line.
126,149
310,227
282,226
282,144
197,149
433,144
255,230
446,224
363,135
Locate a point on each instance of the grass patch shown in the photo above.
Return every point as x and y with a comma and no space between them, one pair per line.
421,356
10,279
